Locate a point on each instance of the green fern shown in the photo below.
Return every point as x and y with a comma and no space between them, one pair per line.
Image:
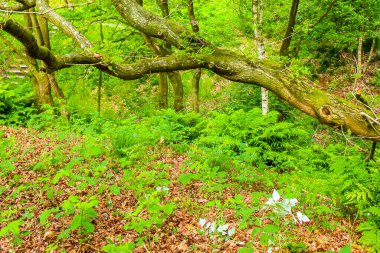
370,234
359,195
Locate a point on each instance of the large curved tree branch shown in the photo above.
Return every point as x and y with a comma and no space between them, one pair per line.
316,103
123,71
29,41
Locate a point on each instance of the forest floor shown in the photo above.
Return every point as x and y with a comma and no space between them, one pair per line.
60,193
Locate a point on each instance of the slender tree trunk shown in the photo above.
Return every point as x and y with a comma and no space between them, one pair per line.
164,7
165,49
324,15
162,50
58,94
195,86
359,58
99,93
176,80
198,72
163,90
36,28
100,81
372,152
44,28
289,31
371,55
30,62
28,21
41,30
258,12
56,89
174,77
42,83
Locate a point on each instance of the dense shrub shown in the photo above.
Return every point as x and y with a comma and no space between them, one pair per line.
15,103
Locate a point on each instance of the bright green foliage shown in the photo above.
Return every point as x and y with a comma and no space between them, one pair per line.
157,213
15,103
122,248
44,216
12,228
84,214
226,151
83,220
252,138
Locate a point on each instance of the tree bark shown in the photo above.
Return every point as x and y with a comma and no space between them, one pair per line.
289,31
41,31
176,80
195,87
258,12
44,28
163,91
36,28
359,55
198,72
321,18
370,56
371,154
44,89
100,80
174,77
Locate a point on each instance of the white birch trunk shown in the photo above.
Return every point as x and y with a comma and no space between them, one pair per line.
258,31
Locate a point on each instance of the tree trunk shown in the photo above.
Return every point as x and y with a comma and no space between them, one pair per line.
100,80
176,81
198,72
371,55
195,86
41,31
175,78
163,90
289,31
44,28
36,28
372,152
258,12
303,36
359,58
42,80
44,89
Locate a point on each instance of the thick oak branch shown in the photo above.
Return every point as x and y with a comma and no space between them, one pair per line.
158,27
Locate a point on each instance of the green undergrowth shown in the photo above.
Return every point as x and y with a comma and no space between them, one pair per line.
94,162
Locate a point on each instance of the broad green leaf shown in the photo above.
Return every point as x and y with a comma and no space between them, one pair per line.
345,249
88,226
91,213
245,250
76,222
271,228
44,216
